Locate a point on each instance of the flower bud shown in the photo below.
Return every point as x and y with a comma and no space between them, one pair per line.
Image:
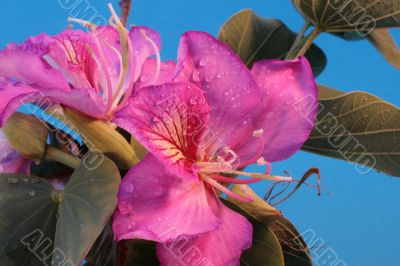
28,135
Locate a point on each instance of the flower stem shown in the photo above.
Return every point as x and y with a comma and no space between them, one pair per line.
62,157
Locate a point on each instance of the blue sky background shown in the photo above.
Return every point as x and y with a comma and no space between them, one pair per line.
359,218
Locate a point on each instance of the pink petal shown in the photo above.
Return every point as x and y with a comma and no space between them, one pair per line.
220,247
10,160
156,205
167,73
168,120
70,54
228,86
24,62
142,48
289,106
15,95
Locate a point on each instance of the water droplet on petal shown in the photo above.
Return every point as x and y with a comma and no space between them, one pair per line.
129,188
202,62
131,225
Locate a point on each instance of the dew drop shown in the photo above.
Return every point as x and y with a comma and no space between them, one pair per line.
131,225
129,188
195,76
31,193
202,62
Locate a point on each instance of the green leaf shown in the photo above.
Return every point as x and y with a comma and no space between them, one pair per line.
357,127
344,15
88,201
295,250
382,40
254,38
71,219
265,250
27,218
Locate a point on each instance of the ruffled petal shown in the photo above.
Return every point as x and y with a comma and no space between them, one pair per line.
25,62
156,205
168,120
220,247
228,86
144,42
14,95
289,107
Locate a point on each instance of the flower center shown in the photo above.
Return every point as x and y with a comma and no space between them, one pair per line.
213,172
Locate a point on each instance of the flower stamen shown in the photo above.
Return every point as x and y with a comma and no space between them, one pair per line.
228,192
157,53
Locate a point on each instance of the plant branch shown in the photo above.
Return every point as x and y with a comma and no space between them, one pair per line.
125,6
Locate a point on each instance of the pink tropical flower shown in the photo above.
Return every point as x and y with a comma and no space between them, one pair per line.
10,160
93,72
217,116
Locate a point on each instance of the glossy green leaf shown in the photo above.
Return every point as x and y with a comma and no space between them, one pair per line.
71,219
295,250
357,127
254,38
344,15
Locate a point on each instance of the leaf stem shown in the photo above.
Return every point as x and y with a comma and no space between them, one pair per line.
308,42
60,156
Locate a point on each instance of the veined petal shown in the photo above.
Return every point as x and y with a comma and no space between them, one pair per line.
168,120
228,86
289,106
156,205
72,54
143,40
220,247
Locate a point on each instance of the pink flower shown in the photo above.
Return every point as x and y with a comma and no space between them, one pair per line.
10,160
93,72
216,117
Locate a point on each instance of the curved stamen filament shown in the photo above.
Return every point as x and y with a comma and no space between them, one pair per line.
225,190
235,180
157,53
